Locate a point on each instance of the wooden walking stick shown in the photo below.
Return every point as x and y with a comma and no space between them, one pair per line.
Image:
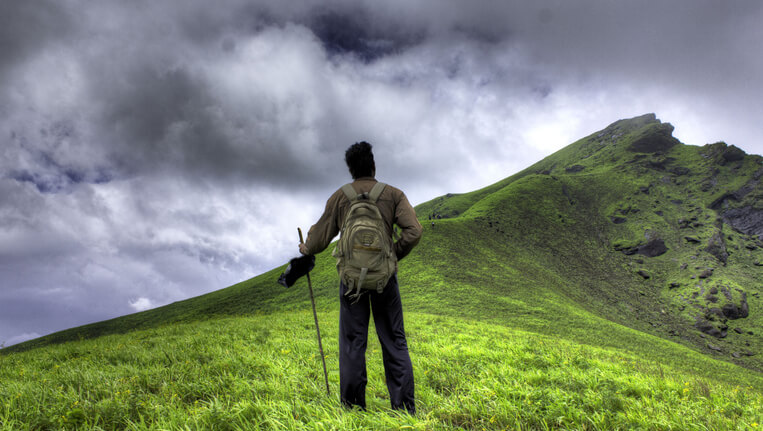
317,328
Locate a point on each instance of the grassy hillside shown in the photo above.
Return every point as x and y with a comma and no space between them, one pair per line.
263,372
636,228
614,284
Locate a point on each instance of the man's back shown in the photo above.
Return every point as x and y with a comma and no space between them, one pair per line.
385,303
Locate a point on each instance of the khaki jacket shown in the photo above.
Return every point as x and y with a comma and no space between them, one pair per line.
394,208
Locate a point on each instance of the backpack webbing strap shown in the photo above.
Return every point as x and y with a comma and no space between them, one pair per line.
362,278
350,192
376,191
355,297
373,195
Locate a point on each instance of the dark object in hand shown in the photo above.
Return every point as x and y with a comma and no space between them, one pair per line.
298,267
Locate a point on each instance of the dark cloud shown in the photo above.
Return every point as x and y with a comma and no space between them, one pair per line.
170,122
354,32
161,111
40,160
28,27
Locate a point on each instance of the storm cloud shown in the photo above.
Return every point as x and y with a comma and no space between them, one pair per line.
152,151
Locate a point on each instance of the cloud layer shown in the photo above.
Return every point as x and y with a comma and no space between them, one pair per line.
155,151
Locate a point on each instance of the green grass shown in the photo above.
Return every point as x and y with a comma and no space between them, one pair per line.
521,314
264,373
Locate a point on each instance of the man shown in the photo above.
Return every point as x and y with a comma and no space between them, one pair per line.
385,305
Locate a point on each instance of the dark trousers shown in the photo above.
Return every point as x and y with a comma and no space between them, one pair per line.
353,336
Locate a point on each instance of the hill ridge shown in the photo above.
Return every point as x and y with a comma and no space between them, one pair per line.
602,223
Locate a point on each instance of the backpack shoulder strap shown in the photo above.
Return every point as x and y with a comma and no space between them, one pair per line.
350,192
376,191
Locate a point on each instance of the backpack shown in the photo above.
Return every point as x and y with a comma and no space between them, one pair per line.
365,255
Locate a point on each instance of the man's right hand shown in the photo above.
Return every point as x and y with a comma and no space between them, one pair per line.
303,249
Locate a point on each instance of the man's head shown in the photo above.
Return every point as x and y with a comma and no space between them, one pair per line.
360,160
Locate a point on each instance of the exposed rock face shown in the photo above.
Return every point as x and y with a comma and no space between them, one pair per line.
723,153
626,125
732,154
732,311
744,309
714,313
657,138
708,328
748,220
655,247
628,251
714,320
717,247
574,169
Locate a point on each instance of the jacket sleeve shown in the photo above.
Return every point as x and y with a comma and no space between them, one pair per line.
322,232
405,217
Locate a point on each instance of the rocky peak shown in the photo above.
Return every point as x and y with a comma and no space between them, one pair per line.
634,123
655,138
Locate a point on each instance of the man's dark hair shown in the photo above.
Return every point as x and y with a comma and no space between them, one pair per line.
360,160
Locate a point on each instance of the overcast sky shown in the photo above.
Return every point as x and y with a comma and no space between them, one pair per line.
153,151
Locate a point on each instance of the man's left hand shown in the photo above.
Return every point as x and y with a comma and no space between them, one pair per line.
303,248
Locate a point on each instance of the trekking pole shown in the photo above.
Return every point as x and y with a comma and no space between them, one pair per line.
317,329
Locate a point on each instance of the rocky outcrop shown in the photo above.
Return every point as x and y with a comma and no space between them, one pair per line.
732,154
717,247
628,251
714,319
574,169
708,328
742,215
748,219
732,311
658,137
724,153
655,247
